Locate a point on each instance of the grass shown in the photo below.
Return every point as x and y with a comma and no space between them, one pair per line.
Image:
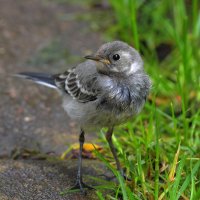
160,147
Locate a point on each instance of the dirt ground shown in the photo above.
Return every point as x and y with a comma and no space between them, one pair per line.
43,36
28,180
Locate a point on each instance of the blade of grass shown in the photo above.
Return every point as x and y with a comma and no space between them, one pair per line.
157,151
174,190
133,20
140,171
122,185
100,195
188,179
174,165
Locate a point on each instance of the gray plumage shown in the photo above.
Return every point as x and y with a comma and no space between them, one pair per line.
97,94
104,91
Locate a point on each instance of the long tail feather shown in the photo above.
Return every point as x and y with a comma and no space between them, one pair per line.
40,78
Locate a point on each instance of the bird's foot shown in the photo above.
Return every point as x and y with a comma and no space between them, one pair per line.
80,185
125,176
109,178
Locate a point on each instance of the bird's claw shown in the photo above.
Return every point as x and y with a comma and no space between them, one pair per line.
109,178
80,185
125,176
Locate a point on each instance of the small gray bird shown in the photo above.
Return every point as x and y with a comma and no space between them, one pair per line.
104,91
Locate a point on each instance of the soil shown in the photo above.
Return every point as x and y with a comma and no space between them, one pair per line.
49,180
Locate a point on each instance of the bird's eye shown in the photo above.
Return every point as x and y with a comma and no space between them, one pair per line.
116,57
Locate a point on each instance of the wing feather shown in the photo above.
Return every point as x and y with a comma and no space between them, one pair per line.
69,82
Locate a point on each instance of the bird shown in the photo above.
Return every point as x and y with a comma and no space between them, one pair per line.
106,90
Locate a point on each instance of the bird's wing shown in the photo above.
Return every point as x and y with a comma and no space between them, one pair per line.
70,83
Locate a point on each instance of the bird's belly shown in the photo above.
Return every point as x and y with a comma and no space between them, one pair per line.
105,119
91,119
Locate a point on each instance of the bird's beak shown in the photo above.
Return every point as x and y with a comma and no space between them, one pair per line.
98,59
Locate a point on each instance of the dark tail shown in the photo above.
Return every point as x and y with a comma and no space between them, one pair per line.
40,78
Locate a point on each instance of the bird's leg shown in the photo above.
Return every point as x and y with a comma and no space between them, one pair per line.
112,148
79,182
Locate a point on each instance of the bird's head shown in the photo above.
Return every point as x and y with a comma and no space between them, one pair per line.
117,57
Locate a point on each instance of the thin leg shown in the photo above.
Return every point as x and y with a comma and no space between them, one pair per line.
112,148
81,143
79,183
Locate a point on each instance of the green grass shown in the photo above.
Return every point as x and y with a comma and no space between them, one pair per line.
160,147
